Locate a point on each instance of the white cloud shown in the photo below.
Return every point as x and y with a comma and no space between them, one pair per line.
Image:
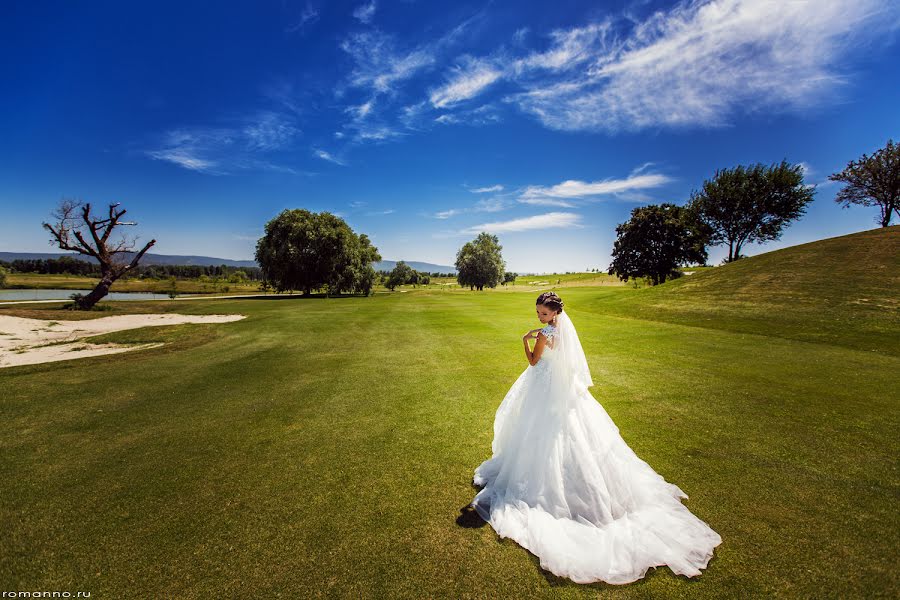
308,16
184,159
362,110
382,66
703,61
491,204
476,75
482,190
539,201
520,35
328,156
467,82
580,189
365,12
221,150
376,133
379,65
270,131
545,221
570,48
483,115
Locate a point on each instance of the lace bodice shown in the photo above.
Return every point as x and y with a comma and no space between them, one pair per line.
549,332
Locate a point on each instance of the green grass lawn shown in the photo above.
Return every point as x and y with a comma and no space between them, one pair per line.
324,447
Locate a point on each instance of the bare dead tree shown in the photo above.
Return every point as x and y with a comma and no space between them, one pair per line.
74,223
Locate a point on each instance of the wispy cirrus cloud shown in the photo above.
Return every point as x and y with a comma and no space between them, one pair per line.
698,64
446,214
328,156
569,49
224,150
545,221
361,111
184,157
467,81
381,67
483,115
308,16
484,190
562,193
496,203
269,131
379,64
365,12
546,201
702,62
376,133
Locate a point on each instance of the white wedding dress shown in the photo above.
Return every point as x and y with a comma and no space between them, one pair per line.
564,484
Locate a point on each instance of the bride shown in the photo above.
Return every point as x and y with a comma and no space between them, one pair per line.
564,484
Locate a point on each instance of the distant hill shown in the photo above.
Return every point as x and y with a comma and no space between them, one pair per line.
387,265
147,259
843,290
167,259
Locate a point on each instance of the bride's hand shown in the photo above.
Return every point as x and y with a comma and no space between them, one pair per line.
531,334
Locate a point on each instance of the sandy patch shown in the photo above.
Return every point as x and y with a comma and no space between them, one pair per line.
33,341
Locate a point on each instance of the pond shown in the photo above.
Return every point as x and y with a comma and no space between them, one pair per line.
10,295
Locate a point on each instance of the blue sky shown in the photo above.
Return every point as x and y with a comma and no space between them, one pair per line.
423,123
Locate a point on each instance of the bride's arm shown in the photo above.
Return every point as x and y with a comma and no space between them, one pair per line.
534,356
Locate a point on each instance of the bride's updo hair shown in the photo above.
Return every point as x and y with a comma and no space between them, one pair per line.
551,301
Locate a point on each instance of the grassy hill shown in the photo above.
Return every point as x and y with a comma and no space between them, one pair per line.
843,290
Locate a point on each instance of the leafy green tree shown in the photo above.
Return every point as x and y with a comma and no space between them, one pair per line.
509,277
873,181
401,274
78,230
479,263
655,241
2,277
357,275
237,277
302,250
750,204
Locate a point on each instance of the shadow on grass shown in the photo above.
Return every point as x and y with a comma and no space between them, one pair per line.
469,517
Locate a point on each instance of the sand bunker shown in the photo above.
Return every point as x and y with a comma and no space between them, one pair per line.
33,341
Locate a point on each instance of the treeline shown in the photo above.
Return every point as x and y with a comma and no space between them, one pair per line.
387,273
65,265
